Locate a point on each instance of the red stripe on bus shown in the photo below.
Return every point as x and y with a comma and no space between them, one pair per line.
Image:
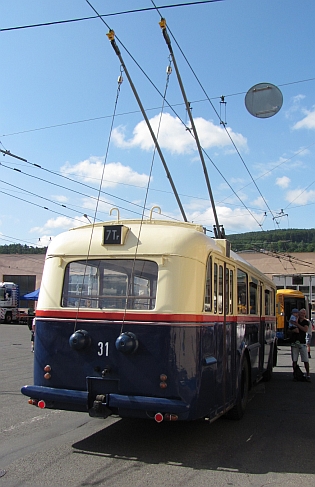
148,317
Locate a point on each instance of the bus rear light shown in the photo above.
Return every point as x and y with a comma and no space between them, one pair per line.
47,368
170,417
163,379
41,404
33,402
159,417
47,376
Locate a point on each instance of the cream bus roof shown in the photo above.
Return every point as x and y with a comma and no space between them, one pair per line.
149,237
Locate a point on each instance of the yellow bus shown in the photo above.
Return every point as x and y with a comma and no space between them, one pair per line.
286,300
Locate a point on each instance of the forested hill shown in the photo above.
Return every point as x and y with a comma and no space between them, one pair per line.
21,249
292,240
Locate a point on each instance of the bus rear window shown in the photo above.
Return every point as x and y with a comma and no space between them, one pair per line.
110,284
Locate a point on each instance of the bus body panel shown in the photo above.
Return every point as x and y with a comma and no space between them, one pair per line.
200,366
188,340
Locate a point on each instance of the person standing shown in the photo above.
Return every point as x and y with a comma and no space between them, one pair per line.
298,343
309,336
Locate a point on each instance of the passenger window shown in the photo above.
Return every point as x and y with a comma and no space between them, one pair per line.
267,302
253,293
220,289
231,292
242,293
208,292
215,288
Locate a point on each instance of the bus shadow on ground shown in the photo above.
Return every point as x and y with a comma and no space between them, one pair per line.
276,434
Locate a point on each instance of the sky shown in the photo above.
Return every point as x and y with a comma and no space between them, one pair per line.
70,115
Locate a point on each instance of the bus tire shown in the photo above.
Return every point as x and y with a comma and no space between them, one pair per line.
8,317
267,375
275,355
237,412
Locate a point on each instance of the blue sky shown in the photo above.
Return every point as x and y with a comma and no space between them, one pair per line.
59,91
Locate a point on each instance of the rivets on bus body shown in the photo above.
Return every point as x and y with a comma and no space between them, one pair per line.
127,342
47,376
47,368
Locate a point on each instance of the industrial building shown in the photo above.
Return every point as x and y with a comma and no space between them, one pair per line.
292,271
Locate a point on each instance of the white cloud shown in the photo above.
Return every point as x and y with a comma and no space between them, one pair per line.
295,105
61,198
91,171
175,138
60,223
283,182
300,197
308,122
259,202
233,220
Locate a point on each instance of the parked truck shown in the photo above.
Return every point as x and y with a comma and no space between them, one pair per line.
9,302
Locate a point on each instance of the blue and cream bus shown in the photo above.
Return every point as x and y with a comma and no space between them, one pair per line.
150,319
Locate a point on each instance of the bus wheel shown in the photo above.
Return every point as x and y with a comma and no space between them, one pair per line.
8,318
238,410
275,355
267,375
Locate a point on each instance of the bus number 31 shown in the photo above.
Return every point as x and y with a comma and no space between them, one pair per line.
103,349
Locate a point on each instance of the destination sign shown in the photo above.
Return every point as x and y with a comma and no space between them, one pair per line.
114,234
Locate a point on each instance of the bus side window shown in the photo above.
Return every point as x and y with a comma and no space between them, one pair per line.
215,288
231,292
208,291
220,289
273,303
242,293
253,296
267,303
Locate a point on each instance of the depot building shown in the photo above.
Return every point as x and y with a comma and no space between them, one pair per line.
291,271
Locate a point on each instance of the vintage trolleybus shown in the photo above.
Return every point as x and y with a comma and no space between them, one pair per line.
150,319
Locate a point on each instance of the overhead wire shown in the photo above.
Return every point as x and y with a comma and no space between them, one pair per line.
121,114
177,115
73,181
41,197
46,24
190,3
221,122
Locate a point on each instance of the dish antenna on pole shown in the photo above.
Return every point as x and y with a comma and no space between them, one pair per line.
263,100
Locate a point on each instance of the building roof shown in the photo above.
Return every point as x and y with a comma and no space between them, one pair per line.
272,264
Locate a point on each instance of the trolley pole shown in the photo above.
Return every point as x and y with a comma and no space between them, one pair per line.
111,37
219,233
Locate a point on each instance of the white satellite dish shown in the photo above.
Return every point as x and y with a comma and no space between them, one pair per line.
263,100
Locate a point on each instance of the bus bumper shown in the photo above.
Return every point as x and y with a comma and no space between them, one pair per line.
107,404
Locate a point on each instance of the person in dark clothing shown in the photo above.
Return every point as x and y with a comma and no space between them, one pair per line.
298,343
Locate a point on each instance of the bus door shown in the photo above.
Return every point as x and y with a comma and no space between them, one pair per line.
262,329
254,329
225,340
